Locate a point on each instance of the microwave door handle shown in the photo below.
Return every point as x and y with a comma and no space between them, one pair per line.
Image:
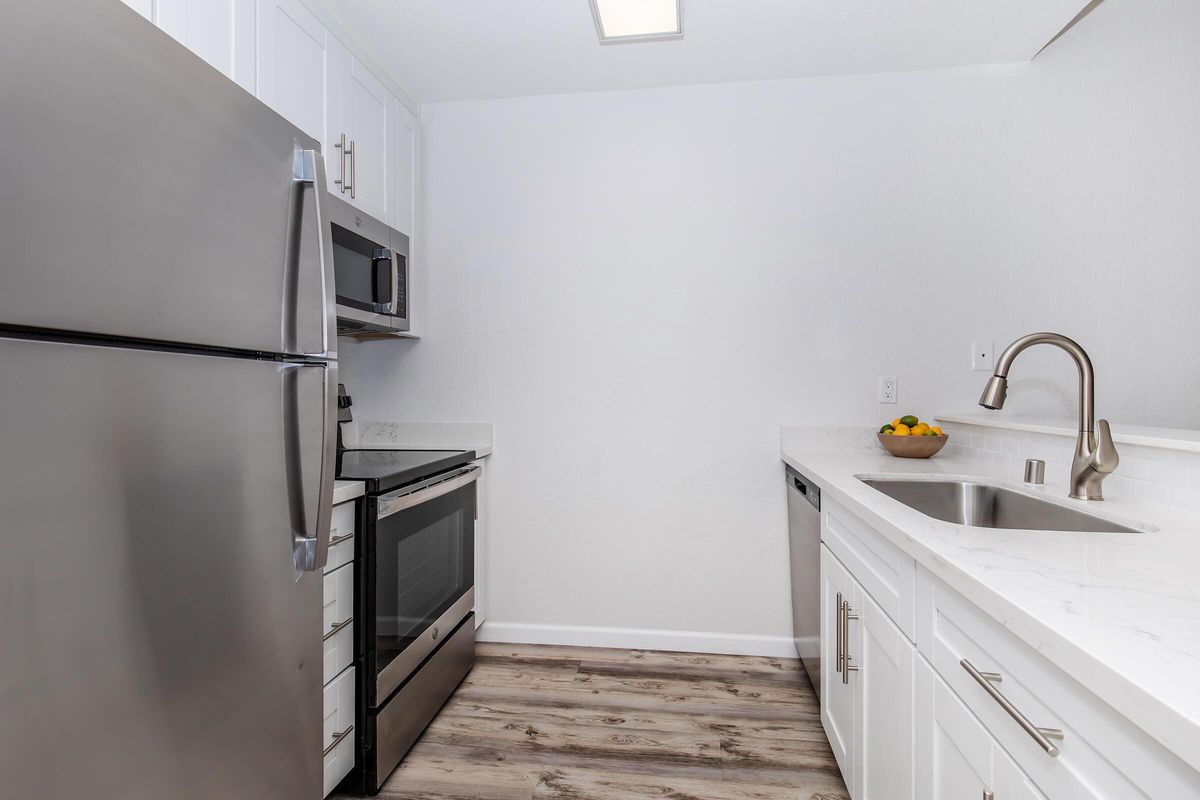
381,255
395,310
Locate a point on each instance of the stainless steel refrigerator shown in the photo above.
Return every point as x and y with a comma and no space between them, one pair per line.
167,392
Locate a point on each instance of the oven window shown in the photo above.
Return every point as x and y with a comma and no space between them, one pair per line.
424,562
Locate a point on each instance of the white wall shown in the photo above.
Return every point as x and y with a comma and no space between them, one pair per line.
638,288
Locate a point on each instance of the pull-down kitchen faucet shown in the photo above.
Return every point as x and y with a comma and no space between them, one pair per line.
1095,455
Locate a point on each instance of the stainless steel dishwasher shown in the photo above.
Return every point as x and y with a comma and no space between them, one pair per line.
804,540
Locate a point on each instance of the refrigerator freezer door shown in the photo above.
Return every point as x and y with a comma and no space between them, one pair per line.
148,196
158,639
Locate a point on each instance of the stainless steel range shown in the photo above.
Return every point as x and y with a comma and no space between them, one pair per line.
416,570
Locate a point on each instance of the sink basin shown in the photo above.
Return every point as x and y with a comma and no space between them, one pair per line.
985,506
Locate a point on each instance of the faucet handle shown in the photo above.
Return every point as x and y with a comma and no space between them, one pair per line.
1104,458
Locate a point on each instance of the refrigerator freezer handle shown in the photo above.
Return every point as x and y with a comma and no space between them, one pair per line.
310,545
308,170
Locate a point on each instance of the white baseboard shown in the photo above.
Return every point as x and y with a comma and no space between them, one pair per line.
637,639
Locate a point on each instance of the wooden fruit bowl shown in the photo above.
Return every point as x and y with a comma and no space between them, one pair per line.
913,446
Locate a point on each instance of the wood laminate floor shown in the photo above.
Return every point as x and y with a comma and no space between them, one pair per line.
559,723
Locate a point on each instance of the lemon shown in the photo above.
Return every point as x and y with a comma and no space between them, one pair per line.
888,432
919,429
902,430
909,420
895,422
936,430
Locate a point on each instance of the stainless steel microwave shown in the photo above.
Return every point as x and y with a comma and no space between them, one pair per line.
371,279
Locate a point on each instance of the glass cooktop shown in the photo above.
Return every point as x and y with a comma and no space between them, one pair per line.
384,470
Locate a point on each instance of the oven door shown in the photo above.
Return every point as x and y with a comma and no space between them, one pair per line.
423,575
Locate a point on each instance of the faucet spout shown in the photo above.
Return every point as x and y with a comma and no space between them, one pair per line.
1095,456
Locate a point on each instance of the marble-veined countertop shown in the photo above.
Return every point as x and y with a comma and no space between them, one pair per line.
344,491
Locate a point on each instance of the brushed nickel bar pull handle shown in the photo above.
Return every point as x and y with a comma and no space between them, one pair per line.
341,179
841,657
353,174
333,540
987,795
336,628
848,667
1040,735
337,739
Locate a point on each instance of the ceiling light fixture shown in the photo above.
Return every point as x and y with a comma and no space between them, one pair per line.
637,20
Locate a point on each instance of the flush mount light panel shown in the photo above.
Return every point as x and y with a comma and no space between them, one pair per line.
637,20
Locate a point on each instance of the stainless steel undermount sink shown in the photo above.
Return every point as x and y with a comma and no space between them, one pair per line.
983,505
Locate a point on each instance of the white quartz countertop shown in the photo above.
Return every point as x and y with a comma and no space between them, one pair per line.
344,491
1120,613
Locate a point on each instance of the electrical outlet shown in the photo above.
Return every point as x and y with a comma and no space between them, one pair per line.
983,358
887,388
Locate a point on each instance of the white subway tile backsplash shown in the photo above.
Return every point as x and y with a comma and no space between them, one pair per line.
1153,493
1158,476
1134,467
1168,473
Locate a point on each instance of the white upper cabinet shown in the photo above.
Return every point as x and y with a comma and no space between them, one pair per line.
405,179
284,53
360,134
222,32
293,54
143,7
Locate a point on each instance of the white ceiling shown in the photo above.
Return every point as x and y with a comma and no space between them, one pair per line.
479,49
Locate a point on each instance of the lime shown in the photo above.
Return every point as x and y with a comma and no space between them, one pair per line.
909,420
886,428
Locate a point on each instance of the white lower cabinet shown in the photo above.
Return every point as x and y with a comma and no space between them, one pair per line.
967,711
884,741
338,728
839,707
956,757
338,620
338,645
867,688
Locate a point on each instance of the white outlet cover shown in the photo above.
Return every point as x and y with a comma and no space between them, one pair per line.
983,357
887,388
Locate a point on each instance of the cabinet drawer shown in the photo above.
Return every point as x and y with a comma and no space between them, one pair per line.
338,728
1101,754
341,536
884,570
338,628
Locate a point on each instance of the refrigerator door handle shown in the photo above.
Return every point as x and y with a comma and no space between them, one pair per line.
308,171
310,545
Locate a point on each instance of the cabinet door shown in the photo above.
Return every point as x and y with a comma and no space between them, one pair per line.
219,31
838,689
954,751
1009,781
884,736
143,7
292,69
404,159
364,120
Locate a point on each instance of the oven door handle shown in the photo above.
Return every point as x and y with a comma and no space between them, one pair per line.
425,491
